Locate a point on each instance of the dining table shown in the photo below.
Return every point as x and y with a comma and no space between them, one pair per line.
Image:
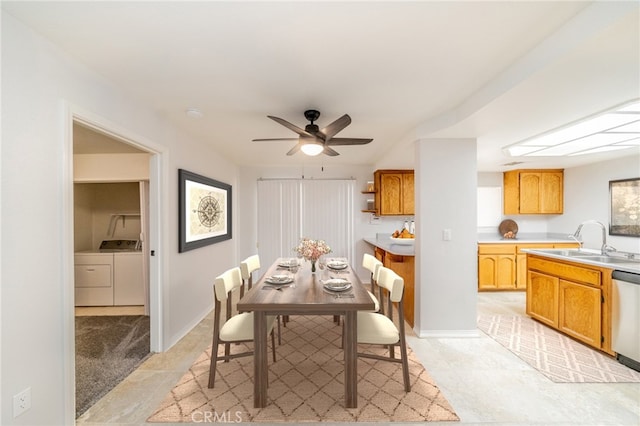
304,292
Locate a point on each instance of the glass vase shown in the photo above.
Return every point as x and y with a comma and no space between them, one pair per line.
313,266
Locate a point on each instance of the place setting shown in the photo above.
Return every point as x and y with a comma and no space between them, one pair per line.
338,287
278,282
337,265
290,264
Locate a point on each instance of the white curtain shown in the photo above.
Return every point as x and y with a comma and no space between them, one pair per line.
291,209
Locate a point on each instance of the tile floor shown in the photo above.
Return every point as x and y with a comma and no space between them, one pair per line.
485,383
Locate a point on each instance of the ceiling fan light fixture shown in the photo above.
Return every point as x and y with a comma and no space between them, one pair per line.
312,148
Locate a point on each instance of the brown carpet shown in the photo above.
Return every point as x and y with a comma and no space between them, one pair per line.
558,357
305,385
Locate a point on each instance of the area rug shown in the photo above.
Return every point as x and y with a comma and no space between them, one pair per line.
305,385
558,357
108,349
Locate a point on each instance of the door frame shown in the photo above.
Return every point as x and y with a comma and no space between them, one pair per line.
158,226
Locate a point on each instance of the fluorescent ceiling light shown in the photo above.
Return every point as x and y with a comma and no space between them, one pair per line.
312,148
602,149
587,136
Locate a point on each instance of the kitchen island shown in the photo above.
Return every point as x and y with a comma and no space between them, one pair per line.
572,292
400,258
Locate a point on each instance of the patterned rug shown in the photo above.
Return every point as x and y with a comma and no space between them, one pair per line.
108,349
305,385
558,357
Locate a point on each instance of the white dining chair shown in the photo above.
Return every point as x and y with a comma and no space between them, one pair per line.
247,268
372,264
236,328
379,329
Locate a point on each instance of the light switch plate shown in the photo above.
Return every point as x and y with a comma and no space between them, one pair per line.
446,234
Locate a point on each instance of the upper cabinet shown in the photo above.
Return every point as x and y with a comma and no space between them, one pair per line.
533,191
394,192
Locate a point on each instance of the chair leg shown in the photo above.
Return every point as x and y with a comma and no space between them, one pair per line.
405,365
214,361
279,332
227,351
273,345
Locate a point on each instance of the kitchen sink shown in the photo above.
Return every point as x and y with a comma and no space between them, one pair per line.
608,259
591,255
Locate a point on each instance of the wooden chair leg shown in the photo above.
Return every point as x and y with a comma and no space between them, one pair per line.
273,345
279,332
214,361
405,365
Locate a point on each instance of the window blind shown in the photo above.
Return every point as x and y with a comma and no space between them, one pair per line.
291,209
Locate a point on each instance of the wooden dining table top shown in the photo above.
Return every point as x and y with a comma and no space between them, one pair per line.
306,294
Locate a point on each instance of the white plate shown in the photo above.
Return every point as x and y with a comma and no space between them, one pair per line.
279,279
288,263
337,264
337,284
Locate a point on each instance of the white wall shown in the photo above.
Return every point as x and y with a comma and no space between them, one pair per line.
586,196
37,80
446,271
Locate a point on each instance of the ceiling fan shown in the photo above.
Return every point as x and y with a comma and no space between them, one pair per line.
313,140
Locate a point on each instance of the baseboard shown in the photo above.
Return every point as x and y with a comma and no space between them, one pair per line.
447,333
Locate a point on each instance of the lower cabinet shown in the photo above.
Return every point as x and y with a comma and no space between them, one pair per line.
504,266
542,298
405,267
572,298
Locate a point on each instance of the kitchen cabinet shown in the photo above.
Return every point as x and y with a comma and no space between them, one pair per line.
405,267
394,192
496,266
504,266
533,191
572,298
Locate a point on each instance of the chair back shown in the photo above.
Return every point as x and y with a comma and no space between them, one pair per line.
250,264
227,282
369,262
392,282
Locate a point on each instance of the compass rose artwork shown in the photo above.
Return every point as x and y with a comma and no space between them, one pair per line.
205,211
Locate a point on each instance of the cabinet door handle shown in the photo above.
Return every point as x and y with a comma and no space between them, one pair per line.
90,270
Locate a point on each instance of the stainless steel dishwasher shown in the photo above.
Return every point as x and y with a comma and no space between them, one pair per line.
625,318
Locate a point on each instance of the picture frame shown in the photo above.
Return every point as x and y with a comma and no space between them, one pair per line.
625,207
204,211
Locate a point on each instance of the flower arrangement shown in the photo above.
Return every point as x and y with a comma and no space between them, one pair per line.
312,250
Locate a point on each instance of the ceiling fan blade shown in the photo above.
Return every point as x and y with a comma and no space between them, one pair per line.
295,149
274,139
332,129
348,141
330,152
290,126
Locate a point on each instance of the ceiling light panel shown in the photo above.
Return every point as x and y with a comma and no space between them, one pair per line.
620,126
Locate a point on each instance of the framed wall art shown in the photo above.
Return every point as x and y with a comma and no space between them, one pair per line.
625,207
205,211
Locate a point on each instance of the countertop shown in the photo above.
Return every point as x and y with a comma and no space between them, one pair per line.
384,242
633,267
523,238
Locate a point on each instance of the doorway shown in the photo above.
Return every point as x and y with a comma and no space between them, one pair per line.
110,141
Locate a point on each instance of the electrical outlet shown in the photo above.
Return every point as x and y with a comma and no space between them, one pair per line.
21,402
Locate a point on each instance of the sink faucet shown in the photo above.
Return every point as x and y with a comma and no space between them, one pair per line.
605,247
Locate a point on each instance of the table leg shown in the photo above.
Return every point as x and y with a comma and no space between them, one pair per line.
260,368
351,359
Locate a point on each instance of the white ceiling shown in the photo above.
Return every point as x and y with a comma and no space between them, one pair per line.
496,71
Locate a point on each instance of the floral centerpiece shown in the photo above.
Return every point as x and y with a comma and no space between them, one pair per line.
312,250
